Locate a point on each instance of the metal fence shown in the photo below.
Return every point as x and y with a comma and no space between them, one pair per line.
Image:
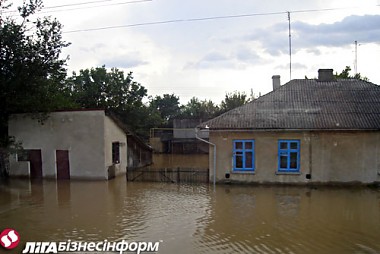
178,175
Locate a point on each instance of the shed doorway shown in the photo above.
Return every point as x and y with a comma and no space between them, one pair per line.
35,158
63,164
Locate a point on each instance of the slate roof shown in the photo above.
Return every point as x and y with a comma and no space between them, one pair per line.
308,104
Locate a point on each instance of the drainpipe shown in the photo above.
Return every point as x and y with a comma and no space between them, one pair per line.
208,142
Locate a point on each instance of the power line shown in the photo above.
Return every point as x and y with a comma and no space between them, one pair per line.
97,6
76,4
207,19
84,7
175,21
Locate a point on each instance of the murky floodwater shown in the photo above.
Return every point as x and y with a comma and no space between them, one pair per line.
196,218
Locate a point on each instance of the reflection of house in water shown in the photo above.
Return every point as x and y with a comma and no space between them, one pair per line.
178,147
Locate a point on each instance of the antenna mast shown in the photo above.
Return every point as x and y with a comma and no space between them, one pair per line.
290,48
356,57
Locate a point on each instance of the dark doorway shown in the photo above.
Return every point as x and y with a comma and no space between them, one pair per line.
63,164
35,158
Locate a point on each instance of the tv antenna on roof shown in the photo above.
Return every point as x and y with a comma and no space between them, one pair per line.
356,57
290,48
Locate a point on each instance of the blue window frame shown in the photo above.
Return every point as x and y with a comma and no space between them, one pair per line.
288,155
244,155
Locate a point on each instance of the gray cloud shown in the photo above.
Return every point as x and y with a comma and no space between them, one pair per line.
307,36
294,66
94,48
123,61
246,55
238,59
214,57
361,28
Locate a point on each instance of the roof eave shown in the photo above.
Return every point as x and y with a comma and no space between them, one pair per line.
290,129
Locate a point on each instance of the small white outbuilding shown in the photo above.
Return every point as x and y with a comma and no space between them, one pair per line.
78,144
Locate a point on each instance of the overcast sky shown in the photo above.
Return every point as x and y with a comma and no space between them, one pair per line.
206,48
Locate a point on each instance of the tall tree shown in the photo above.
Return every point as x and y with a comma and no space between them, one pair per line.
199,109
166,105
111,90
31,69
99,88
233,100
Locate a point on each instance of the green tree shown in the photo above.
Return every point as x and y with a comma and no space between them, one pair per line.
233,100
31,69
345,74
166,105
199,109
113,91
99,88
141,119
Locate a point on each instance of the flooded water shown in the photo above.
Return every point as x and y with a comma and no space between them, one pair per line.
195,218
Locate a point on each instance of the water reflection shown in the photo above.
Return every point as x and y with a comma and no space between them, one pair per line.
196,218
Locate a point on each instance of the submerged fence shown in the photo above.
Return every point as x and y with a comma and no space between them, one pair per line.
178,175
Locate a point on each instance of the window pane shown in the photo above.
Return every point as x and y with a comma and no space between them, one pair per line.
239,161
293,145
248,145
283,161
283,145
248,160
293,160
238,145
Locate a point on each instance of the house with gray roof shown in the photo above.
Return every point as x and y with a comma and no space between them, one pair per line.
322,130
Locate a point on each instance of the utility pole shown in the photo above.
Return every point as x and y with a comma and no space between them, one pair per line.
290,48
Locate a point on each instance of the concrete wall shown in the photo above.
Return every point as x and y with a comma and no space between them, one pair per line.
185,128
156,144
112,133
79,132
346,157
19,168
328,157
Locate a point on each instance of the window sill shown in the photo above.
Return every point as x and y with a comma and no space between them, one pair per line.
244,172
288,173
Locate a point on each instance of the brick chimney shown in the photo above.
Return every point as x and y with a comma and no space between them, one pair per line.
325,75
276,81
